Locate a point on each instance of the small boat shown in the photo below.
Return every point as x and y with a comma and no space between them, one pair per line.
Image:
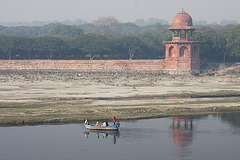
107,128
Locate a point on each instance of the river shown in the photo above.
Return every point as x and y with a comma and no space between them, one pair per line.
210,137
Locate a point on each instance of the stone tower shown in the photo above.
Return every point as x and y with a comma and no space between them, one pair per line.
182,54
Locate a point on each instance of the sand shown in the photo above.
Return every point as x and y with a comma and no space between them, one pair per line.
70,96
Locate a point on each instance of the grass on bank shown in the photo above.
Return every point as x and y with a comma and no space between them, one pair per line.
74,111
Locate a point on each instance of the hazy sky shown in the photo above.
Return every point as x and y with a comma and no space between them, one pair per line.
123,10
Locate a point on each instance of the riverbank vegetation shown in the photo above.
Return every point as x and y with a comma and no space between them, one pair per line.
106,38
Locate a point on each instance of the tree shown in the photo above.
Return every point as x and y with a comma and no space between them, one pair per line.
219,44
128,47
233,41
49,47
108,25
90,45
7,46
66,30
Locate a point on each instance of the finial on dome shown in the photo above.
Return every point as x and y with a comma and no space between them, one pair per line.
182,21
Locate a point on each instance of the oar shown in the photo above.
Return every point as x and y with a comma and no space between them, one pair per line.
118,127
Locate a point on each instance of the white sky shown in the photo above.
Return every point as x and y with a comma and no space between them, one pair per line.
123,10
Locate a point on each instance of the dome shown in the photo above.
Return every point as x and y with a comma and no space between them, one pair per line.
182,21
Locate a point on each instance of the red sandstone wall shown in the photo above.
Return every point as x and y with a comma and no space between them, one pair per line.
84,65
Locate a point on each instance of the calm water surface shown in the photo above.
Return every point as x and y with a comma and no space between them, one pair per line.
211,137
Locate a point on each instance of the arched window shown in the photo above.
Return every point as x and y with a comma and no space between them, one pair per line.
182,34
195,52
183,51
171,52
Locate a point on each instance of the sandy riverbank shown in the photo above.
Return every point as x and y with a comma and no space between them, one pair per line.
34,97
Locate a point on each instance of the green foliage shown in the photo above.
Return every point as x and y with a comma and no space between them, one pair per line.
213,42
66,30
27,31
89,45
48,48
233,41
108,39
15,47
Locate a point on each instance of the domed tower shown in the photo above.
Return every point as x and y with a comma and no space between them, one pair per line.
182,54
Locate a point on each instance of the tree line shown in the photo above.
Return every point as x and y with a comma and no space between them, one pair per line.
86,46
106,38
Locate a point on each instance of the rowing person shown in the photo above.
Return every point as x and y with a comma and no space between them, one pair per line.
114,120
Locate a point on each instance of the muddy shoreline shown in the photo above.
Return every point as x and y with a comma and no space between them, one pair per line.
59,97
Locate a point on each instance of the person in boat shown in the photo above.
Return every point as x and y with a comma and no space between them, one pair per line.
104,124
114,120
86,121
97,123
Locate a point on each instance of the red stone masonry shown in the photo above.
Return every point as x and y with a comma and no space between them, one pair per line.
182,53
84,65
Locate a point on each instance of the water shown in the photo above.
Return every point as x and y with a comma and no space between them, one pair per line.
211,137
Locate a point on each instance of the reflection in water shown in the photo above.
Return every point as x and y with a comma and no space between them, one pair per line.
182,132
233,119
104,134
86,134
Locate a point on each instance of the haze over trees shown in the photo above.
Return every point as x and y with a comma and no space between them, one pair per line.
106,38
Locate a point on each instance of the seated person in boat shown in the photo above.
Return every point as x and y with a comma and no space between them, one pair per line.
97,123
104,124
86,121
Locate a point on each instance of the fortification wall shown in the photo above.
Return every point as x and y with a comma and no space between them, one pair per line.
84,65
